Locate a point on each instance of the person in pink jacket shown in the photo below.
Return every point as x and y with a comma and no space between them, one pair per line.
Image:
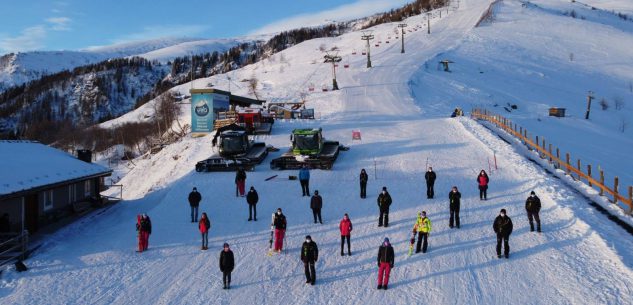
346,230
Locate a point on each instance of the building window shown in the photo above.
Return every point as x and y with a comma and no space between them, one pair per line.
48,200
72,192
87,188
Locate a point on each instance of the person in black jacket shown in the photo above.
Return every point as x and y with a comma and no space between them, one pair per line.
454,198
227,263
386,259
252,198
279,223
309,256
533,206
430,182
194,202
503,227
363,183
384,202
316,203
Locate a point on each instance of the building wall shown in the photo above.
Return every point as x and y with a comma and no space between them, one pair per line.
14,208
62,198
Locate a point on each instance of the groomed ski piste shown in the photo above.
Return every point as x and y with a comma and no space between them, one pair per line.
580,258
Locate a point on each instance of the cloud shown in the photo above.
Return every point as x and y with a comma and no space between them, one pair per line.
30,38
161,31
59,23
361,8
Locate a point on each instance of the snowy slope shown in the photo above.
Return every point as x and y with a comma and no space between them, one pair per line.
581,258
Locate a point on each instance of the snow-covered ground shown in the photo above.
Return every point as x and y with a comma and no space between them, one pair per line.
400,106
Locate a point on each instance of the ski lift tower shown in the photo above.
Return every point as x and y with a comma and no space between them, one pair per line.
333,59
367,36
402,26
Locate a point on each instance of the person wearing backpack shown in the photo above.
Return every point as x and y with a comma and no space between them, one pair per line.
240,180
144,228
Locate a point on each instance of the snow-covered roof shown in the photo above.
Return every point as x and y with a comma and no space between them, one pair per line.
26,165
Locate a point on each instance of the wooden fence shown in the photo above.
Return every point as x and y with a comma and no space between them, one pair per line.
553,154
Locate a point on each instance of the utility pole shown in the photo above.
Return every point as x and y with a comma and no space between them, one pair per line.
367,37
333,59
402,26
589,98
428,23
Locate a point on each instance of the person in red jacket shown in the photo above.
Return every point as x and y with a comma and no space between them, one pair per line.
483,180
144,228
346,230
204,225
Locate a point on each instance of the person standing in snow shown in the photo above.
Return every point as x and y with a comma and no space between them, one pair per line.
227,263
363,183
204,225
503,227
309,256
144,228
252,198
316,203
423,227
385,263
279,222
430,182
454,198
346,229
240,180
384,202
304,179
532,207
483,180
194,202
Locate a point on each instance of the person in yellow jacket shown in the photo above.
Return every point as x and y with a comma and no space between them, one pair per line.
423,227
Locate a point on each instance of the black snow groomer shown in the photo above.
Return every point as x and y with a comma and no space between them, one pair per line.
236,150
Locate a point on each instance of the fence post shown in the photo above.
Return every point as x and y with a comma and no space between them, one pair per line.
558,157
550,153
601,182
615,189
580,170
631,200
536,145
567,161
589,174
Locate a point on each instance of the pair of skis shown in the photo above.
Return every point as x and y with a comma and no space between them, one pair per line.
272,232
411,242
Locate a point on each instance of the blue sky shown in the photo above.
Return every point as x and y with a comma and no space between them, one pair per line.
28,25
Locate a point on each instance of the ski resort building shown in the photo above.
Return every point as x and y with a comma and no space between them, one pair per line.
40,184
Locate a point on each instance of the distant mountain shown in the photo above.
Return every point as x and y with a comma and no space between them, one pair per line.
22,67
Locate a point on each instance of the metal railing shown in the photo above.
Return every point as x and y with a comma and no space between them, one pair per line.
14,248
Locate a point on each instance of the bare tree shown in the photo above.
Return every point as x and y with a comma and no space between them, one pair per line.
604,104
618,102
252,86
623,124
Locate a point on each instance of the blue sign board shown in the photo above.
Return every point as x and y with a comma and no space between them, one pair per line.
201,112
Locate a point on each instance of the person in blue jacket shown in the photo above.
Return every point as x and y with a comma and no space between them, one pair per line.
304,179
